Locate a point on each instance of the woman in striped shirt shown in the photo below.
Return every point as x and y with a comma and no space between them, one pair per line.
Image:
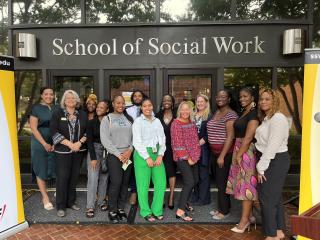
221,140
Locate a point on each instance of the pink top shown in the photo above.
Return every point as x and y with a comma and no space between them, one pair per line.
184,141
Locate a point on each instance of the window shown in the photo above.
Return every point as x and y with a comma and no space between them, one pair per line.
316,26
117,11
28,84
51,11
194,10
256,78
83,85
3,28
271,9
187,87
124,85
290,90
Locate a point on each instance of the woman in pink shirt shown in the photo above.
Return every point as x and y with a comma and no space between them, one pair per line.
186,152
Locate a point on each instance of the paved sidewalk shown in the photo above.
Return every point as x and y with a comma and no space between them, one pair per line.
134,232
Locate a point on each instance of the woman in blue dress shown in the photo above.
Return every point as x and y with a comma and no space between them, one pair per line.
42,157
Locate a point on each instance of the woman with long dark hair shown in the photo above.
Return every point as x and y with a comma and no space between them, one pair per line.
42,156
166,116
97,180
242,180
149,142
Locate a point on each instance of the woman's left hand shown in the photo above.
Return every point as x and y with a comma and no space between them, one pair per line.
261,178
158,161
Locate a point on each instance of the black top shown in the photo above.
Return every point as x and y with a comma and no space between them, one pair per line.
240,125
93,136
168,155
61,128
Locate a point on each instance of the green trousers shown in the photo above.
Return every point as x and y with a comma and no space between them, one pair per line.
143,175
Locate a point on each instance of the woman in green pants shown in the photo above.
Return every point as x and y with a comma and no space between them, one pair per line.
149,142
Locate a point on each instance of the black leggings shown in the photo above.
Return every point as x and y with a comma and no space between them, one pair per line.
189,178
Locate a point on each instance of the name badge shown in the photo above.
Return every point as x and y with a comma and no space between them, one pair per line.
154,149
63,119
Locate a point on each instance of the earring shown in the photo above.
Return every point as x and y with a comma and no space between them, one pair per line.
253,105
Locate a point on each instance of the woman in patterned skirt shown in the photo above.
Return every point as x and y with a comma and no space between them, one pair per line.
242,180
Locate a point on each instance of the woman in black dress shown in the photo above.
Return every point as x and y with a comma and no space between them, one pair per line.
166,116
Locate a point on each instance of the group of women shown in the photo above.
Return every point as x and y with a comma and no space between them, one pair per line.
249,152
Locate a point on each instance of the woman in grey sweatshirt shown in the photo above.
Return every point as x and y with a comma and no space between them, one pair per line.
116,137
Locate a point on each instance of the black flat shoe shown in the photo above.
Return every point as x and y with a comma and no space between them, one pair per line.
184,217
122,216
113,217
171,207
189,208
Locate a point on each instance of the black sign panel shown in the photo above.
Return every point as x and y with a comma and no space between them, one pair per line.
160,46
6,63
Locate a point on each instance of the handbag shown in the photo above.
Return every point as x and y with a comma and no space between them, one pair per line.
104,167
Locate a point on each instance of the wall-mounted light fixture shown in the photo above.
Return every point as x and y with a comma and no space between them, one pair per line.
293,41
26,45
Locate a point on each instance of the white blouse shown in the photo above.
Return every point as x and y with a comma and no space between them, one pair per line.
272,138
148,133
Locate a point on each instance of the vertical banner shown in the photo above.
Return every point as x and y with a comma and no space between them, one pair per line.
310,155
11,205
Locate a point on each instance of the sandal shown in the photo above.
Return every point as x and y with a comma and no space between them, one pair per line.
184,217
150,218
189,208
160,217
104,206
90,213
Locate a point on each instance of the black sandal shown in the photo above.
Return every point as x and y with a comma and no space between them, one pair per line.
184,217
189,208
104,206
150,218
90,213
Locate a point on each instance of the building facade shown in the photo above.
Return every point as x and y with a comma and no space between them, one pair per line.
160,46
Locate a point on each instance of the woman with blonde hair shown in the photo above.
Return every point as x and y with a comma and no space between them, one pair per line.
201,195
68,131
186,152
273,163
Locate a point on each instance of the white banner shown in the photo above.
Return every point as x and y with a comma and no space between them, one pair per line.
11,204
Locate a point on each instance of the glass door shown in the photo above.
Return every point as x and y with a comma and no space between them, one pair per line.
124,82
82,82
186,84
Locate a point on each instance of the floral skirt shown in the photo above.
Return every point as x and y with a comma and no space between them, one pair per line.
242,180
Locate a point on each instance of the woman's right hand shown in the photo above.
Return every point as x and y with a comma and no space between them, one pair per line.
149,162
94,164
220,162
